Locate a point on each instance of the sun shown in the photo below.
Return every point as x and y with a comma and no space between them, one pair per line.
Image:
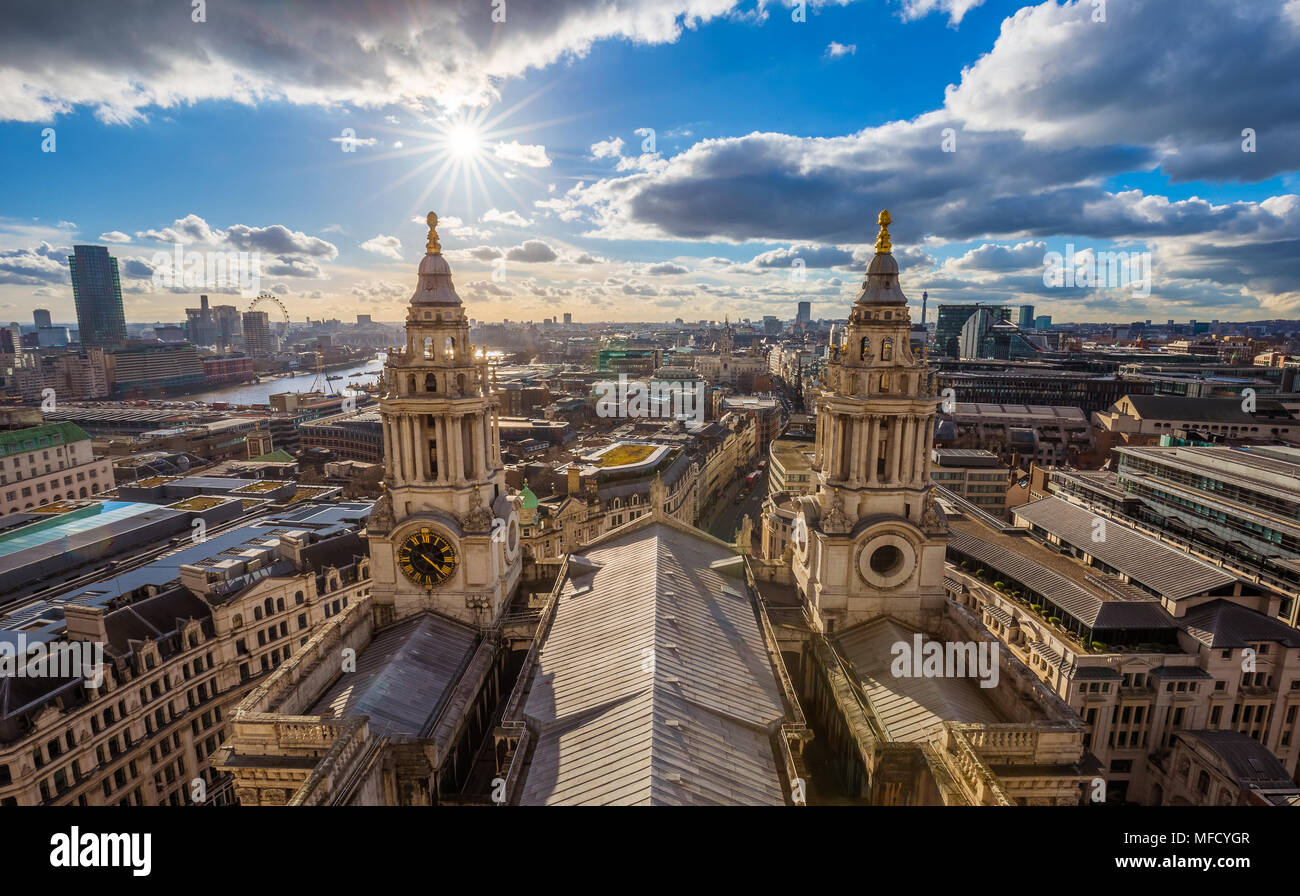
463,141
458,153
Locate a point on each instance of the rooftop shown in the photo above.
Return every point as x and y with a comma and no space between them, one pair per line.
1248,761
653,685
1099,601
1036,412
1165,570
402,676
1270,468
910,708
19,441
1201,410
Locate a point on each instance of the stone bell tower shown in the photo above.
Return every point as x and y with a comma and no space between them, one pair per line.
443,536
871,540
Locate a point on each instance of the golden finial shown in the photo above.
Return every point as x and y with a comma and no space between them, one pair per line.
882,241
433,246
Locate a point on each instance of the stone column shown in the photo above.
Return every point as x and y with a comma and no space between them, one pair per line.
481,462
909,450
921,474
408,441
819,461
895,449
855,451
444,460
389,454
419,456
458,446
873,448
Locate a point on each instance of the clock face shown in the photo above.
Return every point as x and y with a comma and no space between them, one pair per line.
426,558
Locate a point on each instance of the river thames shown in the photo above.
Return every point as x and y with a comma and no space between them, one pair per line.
259,393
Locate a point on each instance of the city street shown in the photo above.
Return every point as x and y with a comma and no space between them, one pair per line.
726,523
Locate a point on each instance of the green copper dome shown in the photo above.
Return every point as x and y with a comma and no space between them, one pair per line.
530,500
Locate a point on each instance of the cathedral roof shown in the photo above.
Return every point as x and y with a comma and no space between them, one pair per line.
653,684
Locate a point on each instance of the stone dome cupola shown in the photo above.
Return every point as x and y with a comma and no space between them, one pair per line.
881,286
435,286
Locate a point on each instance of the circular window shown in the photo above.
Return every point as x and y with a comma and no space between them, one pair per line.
885,560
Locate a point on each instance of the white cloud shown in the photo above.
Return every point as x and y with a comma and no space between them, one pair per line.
955,9
123,61
283,251
387,246
509,219
835,50
114,236
607,149
518,153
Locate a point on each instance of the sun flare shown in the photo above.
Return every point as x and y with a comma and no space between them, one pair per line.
463,141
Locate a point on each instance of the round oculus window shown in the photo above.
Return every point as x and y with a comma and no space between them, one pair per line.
886,560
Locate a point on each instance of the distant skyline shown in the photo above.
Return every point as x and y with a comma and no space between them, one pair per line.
995,134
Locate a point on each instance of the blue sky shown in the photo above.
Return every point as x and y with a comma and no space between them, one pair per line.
1099,125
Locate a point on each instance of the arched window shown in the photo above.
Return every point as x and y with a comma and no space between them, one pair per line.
450,348
887,349
267,607
884,382
866,347
428,347
257,613
410,384
460,383
430,382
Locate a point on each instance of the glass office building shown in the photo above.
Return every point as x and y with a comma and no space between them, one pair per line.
98,296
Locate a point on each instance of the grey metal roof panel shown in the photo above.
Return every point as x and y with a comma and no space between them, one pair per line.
1222,623
1171,572
1180,673
1247,759
1208,410
653,684
1065,594
1096,673
402,676
912,708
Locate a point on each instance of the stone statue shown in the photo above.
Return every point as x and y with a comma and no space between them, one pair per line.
479,517
745,537
381,512
932,515
836,522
